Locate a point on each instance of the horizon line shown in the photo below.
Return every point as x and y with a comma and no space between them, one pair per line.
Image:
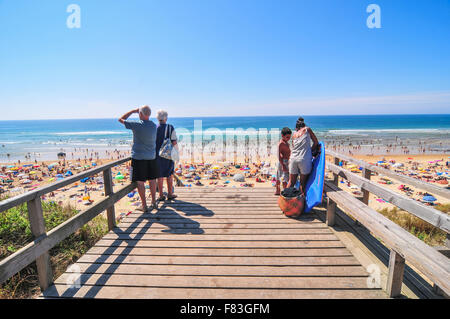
239,116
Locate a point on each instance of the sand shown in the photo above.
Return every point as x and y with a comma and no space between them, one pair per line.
82,195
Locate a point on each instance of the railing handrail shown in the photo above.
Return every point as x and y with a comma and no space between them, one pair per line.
403,245
44,241
405,179
20,199
426,213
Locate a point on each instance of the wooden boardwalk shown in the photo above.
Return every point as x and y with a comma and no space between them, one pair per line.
217,243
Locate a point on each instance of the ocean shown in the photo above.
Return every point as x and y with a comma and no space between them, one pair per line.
43,139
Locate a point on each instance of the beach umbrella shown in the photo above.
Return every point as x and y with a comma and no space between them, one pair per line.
84,180
429,199
119,177
94,164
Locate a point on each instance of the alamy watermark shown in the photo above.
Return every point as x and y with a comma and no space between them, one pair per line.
226,145
74,19
374,19
374,279
74,279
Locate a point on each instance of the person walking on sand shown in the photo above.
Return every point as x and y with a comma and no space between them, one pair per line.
144,166
284,152
166,166
301,155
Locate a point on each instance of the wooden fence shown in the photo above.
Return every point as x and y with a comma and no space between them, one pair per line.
403,245
38,250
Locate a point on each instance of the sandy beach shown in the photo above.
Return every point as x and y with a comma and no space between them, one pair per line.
17,178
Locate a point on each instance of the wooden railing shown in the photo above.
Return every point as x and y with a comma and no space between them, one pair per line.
436,190
402,244
38,250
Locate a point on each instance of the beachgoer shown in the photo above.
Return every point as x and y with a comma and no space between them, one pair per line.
166,166
301,156
144,166
284,152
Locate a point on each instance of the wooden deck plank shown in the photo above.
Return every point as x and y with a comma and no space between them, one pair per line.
215,220
205,225
216,243
199,236
222,270
218,231
208,293
220,260
253,282
222,244
187,251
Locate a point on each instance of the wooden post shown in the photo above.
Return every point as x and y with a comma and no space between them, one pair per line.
336,177
110,211
331,212
395,276
366,174
447,240
37,225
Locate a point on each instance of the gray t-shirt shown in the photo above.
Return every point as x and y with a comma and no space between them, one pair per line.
144,139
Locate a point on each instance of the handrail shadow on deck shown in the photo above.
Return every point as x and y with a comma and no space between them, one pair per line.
163,212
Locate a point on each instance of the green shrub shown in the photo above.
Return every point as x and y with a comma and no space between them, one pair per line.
15,233
426,232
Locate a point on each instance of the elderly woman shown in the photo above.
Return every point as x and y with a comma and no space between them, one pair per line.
166,167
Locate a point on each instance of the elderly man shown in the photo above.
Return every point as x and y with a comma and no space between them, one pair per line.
143,153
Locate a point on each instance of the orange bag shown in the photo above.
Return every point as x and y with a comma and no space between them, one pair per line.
291,206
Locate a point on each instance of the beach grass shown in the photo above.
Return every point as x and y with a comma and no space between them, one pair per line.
431,235
15,233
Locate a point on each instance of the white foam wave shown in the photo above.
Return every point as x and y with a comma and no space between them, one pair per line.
92,133
409,131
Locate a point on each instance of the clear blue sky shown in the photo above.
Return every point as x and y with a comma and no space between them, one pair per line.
217,57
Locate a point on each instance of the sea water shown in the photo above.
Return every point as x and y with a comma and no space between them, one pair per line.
43,139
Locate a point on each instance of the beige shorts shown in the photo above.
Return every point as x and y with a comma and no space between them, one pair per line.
300,166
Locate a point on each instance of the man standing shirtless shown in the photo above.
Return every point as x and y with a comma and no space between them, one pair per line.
284,152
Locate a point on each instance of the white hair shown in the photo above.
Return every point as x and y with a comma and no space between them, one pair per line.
145,110
161,115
